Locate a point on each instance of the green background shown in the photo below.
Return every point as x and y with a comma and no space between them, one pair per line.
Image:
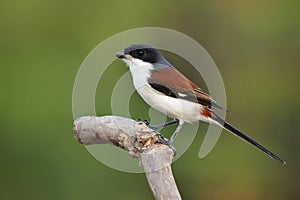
255,44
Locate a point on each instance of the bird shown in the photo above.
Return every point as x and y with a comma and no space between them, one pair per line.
167,90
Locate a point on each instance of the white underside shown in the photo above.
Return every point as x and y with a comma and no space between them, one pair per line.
177,108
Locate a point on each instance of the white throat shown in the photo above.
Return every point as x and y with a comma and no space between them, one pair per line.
140,72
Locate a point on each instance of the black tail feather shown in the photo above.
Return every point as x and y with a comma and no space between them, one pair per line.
246,138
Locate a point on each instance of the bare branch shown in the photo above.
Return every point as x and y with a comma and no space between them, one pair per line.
140,141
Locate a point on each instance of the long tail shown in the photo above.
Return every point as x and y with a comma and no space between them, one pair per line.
244,137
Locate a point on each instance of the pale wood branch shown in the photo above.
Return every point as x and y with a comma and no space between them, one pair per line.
140,141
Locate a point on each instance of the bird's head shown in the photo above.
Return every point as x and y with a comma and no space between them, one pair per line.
138,54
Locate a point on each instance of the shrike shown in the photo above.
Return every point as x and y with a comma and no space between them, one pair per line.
165,89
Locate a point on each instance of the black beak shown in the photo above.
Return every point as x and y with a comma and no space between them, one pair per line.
120,54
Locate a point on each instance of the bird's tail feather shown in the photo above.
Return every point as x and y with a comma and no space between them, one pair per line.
244,137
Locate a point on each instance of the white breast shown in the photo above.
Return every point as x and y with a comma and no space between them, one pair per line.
140,72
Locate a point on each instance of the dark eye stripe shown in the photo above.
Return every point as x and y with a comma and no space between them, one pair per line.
146,54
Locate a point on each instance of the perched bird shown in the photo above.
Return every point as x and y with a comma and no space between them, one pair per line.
165,89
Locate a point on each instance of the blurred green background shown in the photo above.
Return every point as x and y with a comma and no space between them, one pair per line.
255,44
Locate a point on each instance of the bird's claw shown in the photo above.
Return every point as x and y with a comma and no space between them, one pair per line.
163,140
143,120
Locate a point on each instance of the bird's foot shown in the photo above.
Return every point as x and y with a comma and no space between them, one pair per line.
159,126
154,127
143,120
163,140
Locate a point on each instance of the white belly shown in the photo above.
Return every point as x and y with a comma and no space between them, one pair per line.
181,109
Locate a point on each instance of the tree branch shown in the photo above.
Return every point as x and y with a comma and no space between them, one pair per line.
140,141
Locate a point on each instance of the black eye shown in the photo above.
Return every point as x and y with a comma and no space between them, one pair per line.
140,52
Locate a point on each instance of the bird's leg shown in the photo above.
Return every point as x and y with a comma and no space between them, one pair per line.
173,121
163,140
179,127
